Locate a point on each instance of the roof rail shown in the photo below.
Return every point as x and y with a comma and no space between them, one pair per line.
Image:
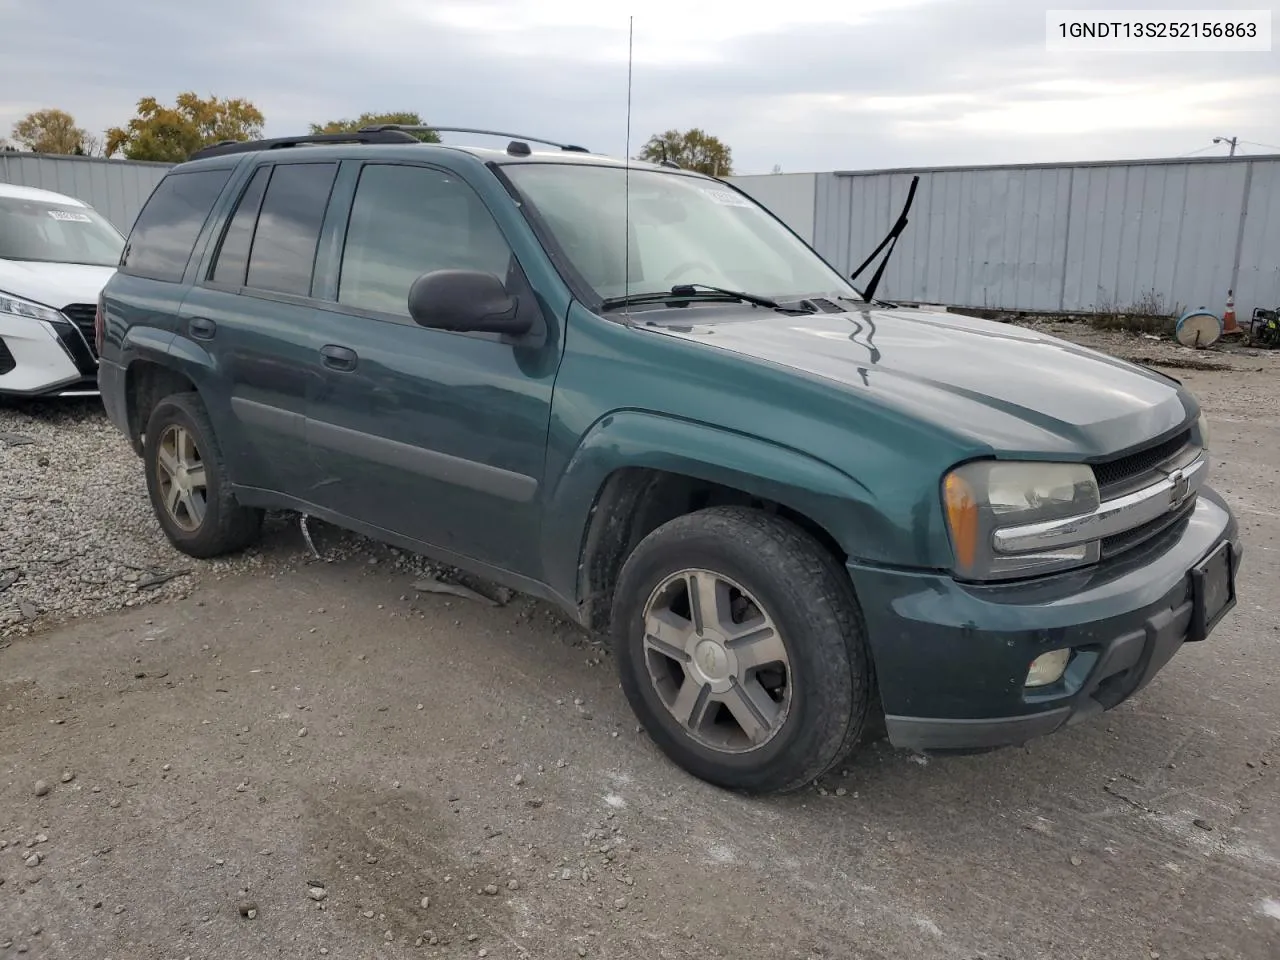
222,147
418,128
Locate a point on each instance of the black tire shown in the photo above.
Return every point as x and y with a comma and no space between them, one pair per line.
807,593
226,526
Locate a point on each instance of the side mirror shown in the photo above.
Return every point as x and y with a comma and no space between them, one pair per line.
466,301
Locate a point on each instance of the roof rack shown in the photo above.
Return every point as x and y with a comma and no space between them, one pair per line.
513,148
388,135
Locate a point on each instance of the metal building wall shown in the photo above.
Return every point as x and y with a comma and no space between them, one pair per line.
1066,236
115,188
790,196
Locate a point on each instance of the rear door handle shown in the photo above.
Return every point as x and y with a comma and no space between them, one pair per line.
338,358
202,328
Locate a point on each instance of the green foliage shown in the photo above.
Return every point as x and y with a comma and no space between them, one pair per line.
51,131
375,119
172,134
693,150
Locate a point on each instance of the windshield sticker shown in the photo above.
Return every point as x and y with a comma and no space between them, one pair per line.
727,197
71,215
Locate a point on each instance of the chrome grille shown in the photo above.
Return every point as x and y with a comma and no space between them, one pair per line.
1134,471
1121,542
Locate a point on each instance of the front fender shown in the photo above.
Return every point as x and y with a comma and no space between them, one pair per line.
839,503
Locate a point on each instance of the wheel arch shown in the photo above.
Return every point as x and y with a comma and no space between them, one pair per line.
154,369
634,471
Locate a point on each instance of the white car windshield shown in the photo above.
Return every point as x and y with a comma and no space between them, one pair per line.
683,230
56,233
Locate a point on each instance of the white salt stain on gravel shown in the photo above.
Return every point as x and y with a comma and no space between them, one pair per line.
721,853
927,925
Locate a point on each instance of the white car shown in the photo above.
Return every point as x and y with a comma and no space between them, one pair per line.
56,253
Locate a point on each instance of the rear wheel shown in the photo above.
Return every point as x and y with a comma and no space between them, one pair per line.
740,647
187,481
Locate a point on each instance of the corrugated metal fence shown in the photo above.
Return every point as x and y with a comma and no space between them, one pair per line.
1051,237
115,188
1075,237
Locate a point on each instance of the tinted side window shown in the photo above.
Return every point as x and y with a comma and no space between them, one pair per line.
166,230
284,246
233,252
407,221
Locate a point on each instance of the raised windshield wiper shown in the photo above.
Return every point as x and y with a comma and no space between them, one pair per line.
890,241
687,292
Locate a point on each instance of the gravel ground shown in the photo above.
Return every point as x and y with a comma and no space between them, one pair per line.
1230,354
306,759
78,536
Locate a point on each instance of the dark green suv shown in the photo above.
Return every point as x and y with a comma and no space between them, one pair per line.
632,391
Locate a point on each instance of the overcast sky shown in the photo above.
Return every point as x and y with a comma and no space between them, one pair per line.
804,84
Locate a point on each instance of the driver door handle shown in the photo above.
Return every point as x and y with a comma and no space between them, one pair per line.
339,358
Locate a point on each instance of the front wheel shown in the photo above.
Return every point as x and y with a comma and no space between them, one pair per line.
741,649
187,480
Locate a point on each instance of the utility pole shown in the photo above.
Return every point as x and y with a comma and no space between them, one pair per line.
1230,141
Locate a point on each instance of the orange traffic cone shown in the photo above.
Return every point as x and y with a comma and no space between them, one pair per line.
1229,325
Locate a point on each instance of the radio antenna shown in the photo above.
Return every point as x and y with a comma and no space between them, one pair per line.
626,173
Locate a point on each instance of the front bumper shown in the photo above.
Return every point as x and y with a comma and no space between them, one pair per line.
41,360
951,659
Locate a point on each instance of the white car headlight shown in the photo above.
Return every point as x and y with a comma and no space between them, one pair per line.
21,307
984,496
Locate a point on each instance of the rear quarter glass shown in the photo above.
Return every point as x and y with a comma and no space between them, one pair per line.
165,232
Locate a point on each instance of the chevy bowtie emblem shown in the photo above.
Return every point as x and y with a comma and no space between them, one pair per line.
1181,488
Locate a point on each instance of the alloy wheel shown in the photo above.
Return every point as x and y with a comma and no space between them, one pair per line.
717,661
182,478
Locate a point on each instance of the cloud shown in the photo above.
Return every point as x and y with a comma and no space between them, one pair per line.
811,86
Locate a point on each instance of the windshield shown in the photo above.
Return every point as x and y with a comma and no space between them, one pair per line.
683,230
56,233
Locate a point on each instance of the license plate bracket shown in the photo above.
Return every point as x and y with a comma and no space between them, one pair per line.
1213,590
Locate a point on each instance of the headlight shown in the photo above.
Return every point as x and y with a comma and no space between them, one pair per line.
984,496
27,308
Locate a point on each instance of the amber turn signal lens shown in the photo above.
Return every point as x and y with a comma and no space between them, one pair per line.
962,517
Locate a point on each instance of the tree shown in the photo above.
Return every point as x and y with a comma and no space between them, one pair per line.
50,131
373,120
90,146
693,150
172,134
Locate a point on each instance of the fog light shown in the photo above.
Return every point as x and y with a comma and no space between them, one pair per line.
1048,667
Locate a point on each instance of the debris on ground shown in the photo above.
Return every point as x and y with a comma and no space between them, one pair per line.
453,589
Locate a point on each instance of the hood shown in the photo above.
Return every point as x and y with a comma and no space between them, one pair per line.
1003,387
54,284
